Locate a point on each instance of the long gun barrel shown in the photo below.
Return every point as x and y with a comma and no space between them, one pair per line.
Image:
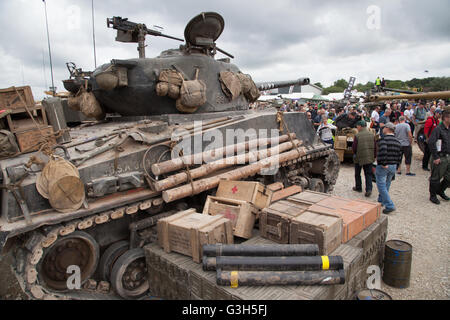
279,84
123,24
400,90
429,95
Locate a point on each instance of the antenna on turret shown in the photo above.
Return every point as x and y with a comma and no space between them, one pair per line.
93,34
52,88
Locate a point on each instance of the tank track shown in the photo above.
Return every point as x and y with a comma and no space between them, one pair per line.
28,256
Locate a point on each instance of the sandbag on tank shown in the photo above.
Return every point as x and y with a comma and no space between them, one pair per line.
169,83
60,183
230,83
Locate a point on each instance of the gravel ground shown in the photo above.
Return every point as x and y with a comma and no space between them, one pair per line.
417,221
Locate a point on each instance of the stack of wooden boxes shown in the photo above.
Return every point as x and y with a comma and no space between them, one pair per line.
312,217
232,212
19,101
241,202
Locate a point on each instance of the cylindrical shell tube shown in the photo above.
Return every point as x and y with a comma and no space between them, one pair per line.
303,263
262,278
270,250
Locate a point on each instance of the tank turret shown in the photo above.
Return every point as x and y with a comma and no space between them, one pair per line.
184,80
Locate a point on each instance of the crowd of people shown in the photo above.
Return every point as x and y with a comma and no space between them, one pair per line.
384,137
395,124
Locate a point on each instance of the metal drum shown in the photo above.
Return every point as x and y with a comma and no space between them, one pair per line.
372,294
397,263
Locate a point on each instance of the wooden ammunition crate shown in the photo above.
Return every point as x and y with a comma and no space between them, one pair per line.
340,153
340,142
186,232
254,192
353,223
370,211
316,228
29,140
274,222
9,99
286,192
241,213
308,197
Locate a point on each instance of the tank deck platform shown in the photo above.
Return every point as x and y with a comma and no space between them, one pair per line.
175,276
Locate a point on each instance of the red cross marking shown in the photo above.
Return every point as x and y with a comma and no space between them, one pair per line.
235,189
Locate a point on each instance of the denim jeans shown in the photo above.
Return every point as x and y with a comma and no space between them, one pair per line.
384,177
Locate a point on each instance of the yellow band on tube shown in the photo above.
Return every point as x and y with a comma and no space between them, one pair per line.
234,279
325,263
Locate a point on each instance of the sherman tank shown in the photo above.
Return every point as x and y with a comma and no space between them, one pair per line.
86,206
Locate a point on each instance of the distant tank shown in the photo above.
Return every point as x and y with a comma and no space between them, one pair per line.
99,203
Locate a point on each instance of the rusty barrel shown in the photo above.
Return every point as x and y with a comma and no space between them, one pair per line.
372,294
277,278
397,263
270,250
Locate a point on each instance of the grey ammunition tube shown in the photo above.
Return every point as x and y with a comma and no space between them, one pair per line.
313,263
271,250
261,278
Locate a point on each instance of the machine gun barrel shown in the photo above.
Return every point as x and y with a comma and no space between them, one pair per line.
425,96
123,24
159,34
280,84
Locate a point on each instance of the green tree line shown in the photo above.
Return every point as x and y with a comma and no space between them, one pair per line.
426,84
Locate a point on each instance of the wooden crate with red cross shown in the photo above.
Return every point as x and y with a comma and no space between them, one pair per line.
251,191
241,213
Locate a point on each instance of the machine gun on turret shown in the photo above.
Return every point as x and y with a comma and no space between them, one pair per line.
128,31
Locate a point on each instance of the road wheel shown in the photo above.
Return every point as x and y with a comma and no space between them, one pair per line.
129,274
78,248
111,254
316,185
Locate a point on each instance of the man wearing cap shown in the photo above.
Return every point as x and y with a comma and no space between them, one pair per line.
431,123
439,144
388,156
420,112
364,152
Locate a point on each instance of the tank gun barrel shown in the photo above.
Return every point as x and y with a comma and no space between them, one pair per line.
280,84
400,90
428,95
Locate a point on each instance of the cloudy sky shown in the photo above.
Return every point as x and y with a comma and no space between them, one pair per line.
271,40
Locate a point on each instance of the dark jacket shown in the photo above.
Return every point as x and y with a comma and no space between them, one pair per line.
443,133
389,150
343,121
364,147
